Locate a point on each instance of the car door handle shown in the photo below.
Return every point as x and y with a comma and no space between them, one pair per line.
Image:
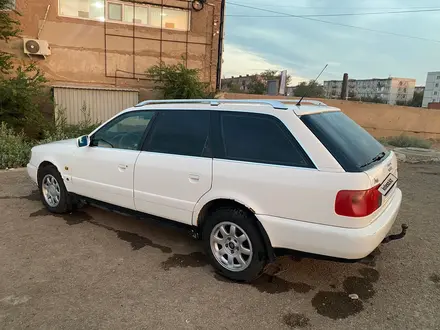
194,177
122,166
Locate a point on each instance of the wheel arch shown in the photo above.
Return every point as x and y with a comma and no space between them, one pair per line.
42,165
214,204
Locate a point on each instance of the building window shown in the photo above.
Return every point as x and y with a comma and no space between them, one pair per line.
86,9
436,85
435,93
114,11
121,12
438,77
169,17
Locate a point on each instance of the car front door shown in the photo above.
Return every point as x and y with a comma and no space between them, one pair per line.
104,170
174,168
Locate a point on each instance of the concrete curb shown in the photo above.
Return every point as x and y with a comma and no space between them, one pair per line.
18,169
417,155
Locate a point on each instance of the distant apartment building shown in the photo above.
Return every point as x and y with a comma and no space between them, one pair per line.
389,90
432,89
240,83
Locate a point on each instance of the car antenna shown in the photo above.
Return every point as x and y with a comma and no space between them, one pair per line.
305,94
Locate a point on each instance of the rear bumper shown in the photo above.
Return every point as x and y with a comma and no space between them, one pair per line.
32,172
344,243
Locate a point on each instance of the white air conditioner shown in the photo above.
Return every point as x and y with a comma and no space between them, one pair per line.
36,47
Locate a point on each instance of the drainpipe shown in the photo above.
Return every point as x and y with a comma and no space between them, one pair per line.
220,46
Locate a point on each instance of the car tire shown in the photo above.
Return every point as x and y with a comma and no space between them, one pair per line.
53,192
231,234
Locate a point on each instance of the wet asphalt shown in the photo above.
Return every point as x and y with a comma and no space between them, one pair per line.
98,270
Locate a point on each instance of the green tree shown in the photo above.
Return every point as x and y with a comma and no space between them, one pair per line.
417,100
257,85
21,87
274,75
21,97
234,88
310,89
176,81
9,28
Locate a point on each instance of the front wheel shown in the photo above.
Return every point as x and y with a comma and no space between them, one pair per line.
234,245
53,191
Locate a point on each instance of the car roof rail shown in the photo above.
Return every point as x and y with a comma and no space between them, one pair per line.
314,102
276,104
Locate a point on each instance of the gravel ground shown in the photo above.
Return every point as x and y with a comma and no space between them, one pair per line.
98,270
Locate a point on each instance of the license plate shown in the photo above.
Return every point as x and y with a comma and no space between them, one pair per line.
388,184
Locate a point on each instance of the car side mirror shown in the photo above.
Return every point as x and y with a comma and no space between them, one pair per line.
83,141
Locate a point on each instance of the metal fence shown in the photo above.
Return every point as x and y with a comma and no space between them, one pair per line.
99,103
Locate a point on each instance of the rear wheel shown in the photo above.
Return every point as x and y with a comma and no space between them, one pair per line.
234,245
53,191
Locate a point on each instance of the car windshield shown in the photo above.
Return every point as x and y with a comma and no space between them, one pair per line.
352,146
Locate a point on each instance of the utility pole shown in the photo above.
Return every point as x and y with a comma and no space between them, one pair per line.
344,90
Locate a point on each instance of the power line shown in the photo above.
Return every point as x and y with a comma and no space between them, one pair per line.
335,23
339,14
266,4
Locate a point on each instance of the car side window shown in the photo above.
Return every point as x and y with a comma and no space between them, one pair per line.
180,132
123,132
260,138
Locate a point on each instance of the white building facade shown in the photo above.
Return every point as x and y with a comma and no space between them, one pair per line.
432,89
390,90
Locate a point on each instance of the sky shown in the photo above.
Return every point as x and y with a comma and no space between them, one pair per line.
304,47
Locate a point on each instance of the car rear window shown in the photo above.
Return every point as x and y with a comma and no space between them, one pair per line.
350,144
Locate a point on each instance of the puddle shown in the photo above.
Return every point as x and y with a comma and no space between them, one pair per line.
434,278
33,196
370,260
195,259
370,274
71,219
273,285
296,320
338,304
360,286
136,241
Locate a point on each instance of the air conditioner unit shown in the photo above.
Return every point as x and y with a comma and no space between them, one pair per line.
36,47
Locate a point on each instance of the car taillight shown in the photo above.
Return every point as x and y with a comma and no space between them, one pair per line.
358,203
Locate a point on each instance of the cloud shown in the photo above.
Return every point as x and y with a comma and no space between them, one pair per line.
238,61
304,46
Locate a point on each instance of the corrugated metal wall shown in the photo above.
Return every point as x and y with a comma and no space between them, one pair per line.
100,103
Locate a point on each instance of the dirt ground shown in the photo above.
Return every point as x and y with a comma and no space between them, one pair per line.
98,270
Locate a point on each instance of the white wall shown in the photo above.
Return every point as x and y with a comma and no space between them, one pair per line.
432,89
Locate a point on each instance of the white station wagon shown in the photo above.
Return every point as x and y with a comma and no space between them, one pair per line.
249,176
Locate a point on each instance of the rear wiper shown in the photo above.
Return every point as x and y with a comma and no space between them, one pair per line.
375,159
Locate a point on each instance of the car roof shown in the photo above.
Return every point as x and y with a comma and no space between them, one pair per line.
258,106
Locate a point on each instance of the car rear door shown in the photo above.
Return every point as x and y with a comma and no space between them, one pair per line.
174,168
